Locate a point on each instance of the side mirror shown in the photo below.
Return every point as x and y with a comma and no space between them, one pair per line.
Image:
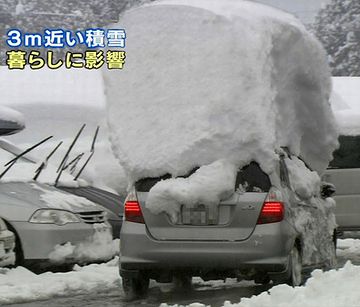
327,189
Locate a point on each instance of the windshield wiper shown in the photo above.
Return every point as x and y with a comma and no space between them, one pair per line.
44,163
13,161
62,165
92,151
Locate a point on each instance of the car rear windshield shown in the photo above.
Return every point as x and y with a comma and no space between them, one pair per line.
251,178
348,154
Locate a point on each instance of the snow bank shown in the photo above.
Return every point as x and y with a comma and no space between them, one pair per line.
323,289
20,285
208,185
211,80
99,246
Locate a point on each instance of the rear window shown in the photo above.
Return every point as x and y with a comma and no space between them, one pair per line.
348,154
251,178
145,184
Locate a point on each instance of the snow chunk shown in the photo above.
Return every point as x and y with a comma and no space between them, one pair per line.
208,185
305,182
99,246
211,80
65,201
20,285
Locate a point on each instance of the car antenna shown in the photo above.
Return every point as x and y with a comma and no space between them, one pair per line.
92,150
44,163
66,156
13,161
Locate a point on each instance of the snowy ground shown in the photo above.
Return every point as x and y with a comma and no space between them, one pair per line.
96,285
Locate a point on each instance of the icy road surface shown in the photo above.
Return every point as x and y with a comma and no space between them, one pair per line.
211,293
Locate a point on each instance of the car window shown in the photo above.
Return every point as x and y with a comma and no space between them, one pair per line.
251,178
145,184
348,154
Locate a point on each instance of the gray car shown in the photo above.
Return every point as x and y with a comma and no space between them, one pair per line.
45,219
255,235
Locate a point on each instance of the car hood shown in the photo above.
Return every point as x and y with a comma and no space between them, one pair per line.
33,196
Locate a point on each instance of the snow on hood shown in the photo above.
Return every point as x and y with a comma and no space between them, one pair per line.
211,80
57,199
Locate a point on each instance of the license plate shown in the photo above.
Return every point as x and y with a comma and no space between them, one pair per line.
199,215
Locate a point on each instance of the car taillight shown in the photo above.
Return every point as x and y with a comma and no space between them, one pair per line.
271,212
132,209
273,209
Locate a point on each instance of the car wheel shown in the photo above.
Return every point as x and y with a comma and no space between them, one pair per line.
135,287
183,282
331,263
295,268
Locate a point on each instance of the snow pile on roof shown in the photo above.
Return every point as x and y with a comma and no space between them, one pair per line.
99,246
346,104
210,80
20,285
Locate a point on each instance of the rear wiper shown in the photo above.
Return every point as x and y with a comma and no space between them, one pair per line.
63,165
92,150
13,161
44,163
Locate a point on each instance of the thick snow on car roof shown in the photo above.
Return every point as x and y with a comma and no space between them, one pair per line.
210,80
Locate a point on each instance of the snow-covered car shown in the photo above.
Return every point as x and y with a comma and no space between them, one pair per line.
53,227
257,233
112,203
7,245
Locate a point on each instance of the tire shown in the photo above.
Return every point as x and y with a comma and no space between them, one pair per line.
295,268
183,282
135,287
331,263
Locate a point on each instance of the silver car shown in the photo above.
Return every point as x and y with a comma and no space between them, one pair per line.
44,219
253,236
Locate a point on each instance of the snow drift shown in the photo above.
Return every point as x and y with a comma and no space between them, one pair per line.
211,80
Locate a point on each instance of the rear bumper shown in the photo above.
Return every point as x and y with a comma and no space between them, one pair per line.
266,250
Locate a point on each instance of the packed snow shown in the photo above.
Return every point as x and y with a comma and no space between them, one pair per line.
208,185
62,200
99,246
21,285
261,84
